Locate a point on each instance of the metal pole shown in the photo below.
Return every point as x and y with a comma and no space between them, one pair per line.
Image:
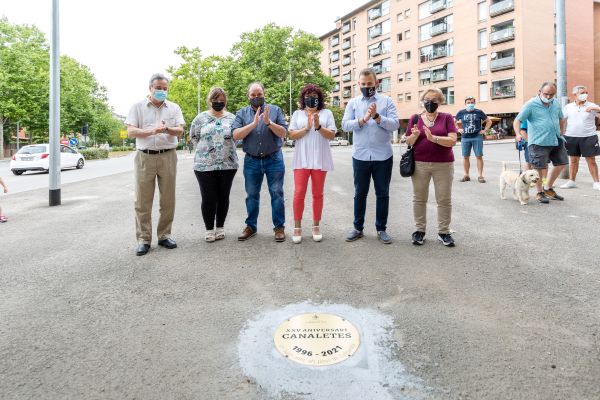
18,123
290,70
198,90
561,59
54,109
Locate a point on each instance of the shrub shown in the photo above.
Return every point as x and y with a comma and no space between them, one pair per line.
94,153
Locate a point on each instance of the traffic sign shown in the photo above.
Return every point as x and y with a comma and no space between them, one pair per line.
73,141
123,134
64,141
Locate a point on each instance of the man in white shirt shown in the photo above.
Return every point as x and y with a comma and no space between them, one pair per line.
581,136
156,124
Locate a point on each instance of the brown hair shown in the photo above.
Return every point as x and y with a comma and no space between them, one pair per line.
214,94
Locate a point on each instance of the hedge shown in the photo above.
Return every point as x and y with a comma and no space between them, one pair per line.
94,153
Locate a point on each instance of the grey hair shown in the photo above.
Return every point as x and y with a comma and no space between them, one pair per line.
577,88
547,83
157,77
368,72
255,83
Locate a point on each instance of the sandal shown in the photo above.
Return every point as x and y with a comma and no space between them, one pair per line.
209,236
465,178
3,218
481,179
316,233
220,234
297,236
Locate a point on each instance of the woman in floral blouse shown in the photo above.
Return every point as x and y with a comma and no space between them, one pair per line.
215,161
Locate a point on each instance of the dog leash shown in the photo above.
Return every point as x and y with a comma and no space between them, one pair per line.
520,148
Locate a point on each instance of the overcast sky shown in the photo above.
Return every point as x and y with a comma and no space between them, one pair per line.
126,41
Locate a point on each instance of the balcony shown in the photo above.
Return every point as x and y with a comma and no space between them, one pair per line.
346,28
438,29
503,89
336,88
436,6
374,31
346,77
439,75
346,61
440,52
336,101
502,35
334,57
335,41
346,93
502,63
345,44
377,68
335,72
374,13
501,7
375,52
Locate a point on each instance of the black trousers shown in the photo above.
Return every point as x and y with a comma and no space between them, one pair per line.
215,187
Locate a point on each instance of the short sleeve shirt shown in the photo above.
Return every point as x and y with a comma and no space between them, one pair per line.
145,114
427,151
471,122
215,147
261,141
543,122
580,123
312,150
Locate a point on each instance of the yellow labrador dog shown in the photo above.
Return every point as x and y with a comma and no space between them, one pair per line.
520,183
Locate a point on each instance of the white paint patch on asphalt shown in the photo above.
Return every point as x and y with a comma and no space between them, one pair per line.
370,374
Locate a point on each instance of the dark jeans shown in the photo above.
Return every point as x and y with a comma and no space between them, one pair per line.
215,187
254,171
381,172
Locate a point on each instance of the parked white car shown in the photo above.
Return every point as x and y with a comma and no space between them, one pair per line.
338,141
36,157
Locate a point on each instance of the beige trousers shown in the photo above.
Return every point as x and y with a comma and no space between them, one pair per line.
150,168
443,175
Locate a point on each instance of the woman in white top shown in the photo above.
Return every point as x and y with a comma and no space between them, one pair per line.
312,127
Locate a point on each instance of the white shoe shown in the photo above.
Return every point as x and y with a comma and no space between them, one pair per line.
316,234
220,233
568,185
596,186
209,236
297,236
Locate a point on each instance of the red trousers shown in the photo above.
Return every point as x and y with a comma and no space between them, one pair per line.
300,184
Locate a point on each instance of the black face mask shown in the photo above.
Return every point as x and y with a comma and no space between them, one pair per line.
430,106
311,102
368,91
257,101
218,105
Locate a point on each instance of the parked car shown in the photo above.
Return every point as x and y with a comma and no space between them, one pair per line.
36,157
338,141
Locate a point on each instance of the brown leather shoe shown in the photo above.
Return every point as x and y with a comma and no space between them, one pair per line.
279,234
247,233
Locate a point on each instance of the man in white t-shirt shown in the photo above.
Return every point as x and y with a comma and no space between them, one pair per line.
581,136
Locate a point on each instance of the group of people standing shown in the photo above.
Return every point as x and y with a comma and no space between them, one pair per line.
157,123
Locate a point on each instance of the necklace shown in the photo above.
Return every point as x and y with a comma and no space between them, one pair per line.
429,122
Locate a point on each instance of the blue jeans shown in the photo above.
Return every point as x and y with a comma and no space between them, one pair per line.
381,172
254,171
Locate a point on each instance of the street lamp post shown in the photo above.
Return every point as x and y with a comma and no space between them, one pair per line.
198,89
54,184
18,126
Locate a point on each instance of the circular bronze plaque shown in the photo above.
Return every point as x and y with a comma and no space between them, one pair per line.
317,339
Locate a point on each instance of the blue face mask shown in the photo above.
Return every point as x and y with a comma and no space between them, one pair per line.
470,107
545,100
160,95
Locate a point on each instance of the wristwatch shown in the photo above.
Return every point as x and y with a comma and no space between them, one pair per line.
376,116
318,128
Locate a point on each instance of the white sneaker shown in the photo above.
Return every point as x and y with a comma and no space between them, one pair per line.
596,186
316,234
220,234
568,185
209,236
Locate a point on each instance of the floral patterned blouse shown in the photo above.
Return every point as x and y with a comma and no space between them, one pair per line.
213,139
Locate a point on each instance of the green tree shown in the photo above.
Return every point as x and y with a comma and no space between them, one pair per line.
269,55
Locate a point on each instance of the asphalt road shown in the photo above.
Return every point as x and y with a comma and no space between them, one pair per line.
512,312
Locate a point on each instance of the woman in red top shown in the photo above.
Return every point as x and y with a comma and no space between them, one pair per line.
432,134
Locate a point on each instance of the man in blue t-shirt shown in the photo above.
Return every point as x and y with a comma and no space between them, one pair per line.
470,121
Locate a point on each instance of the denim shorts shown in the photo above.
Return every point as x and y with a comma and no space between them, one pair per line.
475,143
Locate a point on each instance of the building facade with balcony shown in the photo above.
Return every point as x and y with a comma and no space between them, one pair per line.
499,51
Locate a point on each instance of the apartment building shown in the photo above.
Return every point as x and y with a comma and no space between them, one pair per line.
496,50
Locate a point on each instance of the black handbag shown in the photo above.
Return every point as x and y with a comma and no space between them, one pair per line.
407,160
